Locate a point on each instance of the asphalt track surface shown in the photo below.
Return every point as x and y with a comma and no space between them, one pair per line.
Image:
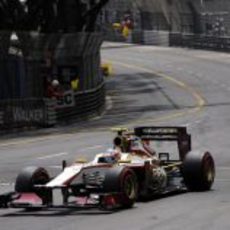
150,86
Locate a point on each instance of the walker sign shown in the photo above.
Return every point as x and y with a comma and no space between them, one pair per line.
33,115
66,101
26,113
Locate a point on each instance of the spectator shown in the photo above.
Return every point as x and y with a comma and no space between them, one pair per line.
53,89
75,84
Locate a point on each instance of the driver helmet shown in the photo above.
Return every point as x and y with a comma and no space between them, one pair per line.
55,83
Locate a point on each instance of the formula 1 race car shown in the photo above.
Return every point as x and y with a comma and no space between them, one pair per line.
131,170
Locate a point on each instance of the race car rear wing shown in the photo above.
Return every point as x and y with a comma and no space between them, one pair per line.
157,133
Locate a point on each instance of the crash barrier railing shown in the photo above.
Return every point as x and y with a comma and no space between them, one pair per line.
24,113
151,37
80,105
145,37
165,38
39,113
198,41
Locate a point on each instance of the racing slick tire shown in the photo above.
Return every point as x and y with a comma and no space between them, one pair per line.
198,171
122,180
31,176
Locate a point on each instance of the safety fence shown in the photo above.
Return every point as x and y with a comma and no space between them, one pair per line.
45,112
150,37
197,41
28,60
145,37
26,113
80,105
165,38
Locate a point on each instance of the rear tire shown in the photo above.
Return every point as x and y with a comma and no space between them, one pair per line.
198,171
31,176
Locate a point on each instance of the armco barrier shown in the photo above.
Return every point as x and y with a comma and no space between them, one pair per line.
165,38
150,37
30,112
157,38
145,37
86,104
199,41
26,113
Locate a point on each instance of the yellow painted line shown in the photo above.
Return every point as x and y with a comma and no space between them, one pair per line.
200,101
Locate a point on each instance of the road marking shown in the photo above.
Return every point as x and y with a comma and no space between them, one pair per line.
200,101
16,142
46,137
92,148
66,153
223,168
52,156
55,167
222,180
193,123
7,184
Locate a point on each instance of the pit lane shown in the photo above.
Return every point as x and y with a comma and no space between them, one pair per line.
140,96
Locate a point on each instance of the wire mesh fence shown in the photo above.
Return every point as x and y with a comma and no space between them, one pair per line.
195,24
29,60
29,112
199,17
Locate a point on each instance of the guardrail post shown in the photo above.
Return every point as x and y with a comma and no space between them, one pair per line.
51,114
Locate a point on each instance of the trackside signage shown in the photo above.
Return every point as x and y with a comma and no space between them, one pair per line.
24,113
33,115
66,101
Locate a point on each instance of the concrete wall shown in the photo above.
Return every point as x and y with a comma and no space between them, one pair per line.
198,16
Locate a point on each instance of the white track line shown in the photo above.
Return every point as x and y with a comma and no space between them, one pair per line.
52,156
7,184
92,147
55,166
223,168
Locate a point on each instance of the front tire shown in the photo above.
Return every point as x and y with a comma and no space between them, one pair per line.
31,176
129,189
198,171
123,181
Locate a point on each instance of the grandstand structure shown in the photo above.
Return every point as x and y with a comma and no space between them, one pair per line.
187,16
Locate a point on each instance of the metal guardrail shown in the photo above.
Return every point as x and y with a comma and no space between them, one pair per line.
165,38
26,113
44,112
197,41
87,103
